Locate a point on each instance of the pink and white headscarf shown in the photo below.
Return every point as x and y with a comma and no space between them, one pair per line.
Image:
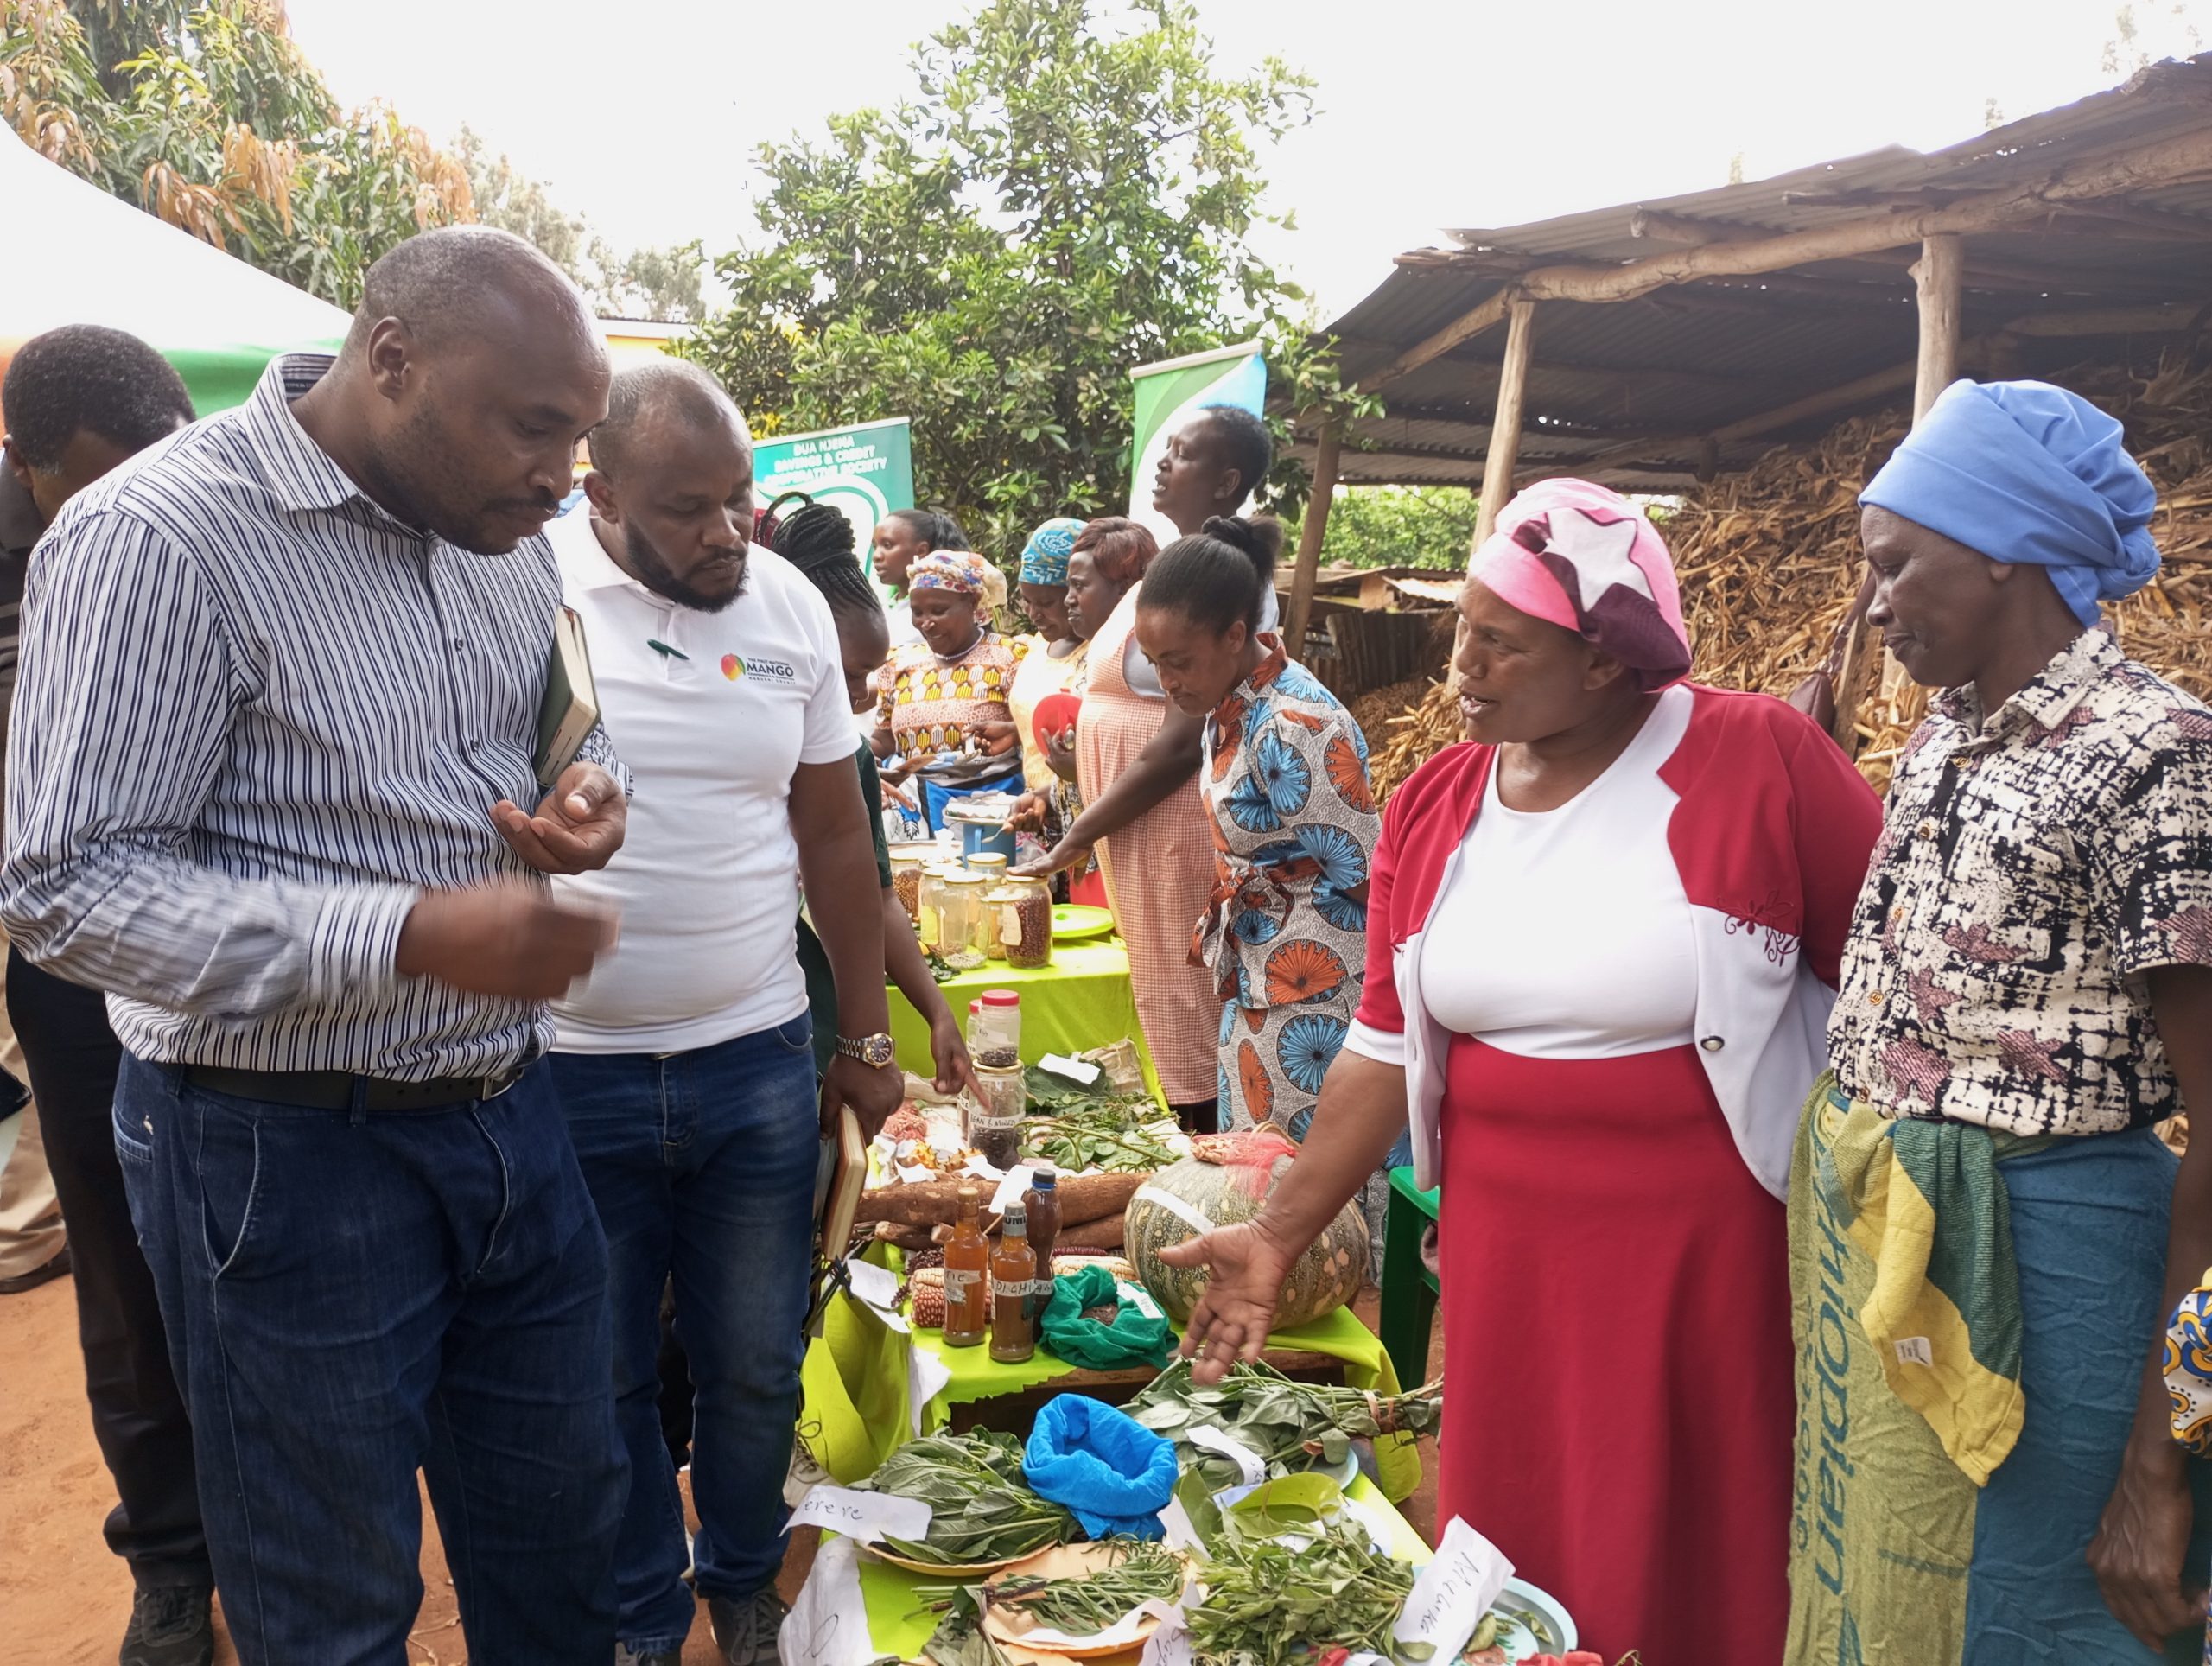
1585,558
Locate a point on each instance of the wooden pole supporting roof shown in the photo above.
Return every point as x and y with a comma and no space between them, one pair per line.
1325,453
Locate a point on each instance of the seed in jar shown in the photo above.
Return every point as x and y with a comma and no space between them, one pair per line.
999,1059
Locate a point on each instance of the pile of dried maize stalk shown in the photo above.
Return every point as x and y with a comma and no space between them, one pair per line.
1769,561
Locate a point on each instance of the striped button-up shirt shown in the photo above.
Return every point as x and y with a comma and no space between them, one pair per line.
258,717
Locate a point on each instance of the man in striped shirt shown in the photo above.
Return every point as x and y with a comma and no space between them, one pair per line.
79,402
277,716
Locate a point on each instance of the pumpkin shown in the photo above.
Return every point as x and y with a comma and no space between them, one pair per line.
1215,1186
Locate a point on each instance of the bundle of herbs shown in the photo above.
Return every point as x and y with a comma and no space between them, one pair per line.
982,1510
1143,1572
1288,1425
1051,1094
1122,1136
1270,1600
960,1639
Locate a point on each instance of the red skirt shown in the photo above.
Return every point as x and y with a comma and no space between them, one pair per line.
1620,1404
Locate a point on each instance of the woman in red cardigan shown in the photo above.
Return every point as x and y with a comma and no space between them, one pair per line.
1602,941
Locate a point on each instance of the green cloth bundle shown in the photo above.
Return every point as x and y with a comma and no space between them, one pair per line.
1133,1339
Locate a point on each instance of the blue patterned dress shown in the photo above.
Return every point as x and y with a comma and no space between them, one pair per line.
1294,825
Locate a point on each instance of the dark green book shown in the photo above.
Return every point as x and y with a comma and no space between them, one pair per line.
570,709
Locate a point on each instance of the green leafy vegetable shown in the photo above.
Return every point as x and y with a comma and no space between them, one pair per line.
1089,1605
982,1510
1289,1426
1266,1603
960,1639
1121,1135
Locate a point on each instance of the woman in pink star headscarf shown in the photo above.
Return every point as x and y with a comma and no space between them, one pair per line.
1602,938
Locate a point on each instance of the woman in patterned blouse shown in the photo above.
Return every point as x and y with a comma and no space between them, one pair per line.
1284,780
943,717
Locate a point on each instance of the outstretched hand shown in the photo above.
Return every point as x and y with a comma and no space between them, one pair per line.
578,827
1234,1314
1061,855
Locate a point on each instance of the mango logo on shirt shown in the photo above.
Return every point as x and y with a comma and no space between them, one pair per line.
735,668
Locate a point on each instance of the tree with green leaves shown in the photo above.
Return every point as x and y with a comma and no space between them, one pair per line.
209,116
1401,526
1071,191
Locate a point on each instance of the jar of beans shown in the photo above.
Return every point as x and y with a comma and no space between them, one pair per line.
1020,912
908,862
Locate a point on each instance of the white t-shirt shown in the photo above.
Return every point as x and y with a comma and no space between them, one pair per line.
707,880
1566,932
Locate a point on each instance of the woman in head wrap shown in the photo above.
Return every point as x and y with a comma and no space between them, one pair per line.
1601,938
942,716
1987,1236
1053,653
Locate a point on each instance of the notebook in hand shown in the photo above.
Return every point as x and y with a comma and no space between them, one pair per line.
837,1195
570,708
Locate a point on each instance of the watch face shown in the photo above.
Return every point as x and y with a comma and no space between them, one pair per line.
878,1050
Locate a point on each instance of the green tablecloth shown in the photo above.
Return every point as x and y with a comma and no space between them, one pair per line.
897,1627
1079,1002
860,1387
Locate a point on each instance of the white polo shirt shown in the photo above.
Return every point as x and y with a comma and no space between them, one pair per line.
707,880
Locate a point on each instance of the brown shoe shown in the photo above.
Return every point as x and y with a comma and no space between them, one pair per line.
58,1267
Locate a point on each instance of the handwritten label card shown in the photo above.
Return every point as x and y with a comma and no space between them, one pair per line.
1170,1645
865,1516
828,1626
1453,1591
877,1289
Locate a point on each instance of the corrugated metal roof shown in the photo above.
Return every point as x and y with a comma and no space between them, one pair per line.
1685,360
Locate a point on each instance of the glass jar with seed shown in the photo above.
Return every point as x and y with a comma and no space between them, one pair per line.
1021,918
907,863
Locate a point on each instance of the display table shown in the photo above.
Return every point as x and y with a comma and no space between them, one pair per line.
849,1589
1079,1002
869,1387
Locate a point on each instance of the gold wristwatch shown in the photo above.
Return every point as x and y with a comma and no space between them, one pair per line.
874,1051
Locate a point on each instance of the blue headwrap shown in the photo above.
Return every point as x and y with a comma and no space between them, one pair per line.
1044,557
2026,471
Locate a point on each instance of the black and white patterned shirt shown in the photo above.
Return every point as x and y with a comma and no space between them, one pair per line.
257,716
2031,868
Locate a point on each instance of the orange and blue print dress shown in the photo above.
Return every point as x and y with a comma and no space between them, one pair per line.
2188,1381
1285,933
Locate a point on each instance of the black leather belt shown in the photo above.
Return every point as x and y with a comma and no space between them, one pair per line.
334,1090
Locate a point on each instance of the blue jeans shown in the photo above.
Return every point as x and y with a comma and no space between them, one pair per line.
703,1165
351,1298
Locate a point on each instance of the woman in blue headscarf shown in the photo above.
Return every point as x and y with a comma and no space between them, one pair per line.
1986,1237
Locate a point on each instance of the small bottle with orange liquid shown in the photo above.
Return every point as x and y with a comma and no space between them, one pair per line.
967,1275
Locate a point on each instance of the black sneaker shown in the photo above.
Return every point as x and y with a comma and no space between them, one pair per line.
169,1626
626,1656
745,1632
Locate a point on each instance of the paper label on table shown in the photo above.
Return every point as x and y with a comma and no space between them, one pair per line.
828,1626
980,1169
1213,1439
1076,1070
1181,1532
864,1517
912,1172
926,1376
1170,1645
1189,1214
1453,1591
876,1286
1015,1183
1139,1298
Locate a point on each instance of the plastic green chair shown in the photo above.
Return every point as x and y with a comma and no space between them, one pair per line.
1408,1305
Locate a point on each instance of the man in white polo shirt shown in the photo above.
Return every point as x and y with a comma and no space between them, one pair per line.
684,1062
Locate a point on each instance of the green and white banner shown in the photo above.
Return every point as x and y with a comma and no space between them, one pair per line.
1169,392
866,470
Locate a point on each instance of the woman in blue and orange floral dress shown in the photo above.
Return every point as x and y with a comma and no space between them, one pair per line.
1294,824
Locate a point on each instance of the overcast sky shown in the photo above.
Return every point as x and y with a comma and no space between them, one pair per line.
643,116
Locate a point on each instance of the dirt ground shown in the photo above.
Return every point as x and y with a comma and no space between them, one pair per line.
64,1599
